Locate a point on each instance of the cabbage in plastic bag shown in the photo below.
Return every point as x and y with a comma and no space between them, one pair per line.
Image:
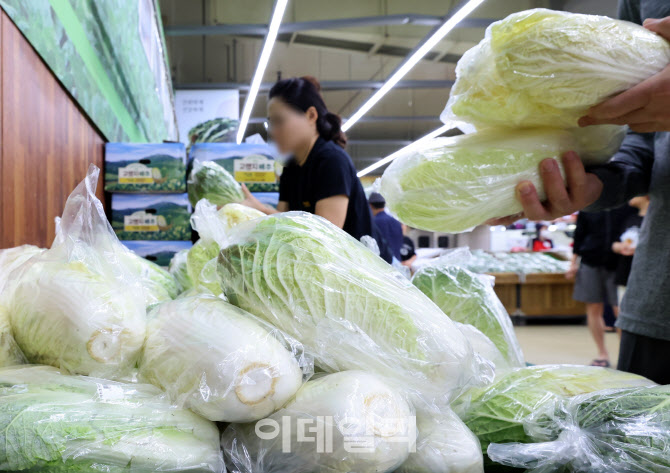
159,285
470,299
179,270
349,308
454,184
546,68
350,421
57,423
616,430
210,181
220,361
79,306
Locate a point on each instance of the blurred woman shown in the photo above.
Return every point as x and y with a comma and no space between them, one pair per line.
542,242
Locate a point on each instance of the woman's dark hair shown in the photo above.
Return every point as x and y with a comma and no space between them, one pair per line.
301,93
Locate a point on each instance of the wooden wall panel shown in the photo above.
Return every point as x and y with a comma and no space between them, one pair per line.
47,143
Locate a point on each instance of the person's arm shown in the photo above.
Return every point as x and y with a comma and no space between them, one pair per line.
409,262
333,188
251,201
333,209
574,267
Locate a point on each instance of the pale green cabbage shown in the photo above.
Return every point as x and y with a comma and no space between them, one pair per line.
210,181
158,284
454,184
347,407
349,308
218,360
57,423
444,445
546,68
179,270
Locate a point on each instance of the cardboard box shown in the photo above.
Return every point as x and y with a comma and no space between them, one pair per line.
255,165
151,216
145,167
268,198
160,252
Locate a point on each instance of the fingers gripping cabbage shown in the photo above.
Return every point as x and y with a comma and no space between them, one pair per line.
79,305
469,298
546,68
210,181
363,426
348,307
57,423
219,361
454,184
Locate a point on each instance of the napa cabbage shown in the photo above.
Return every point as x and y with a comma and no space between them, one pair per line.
158,284
219,361
365,426
179,270
546,68
210,181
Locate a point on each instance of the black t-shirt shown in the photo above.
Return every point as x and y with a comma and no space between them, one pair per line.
626,262
327,172
595,233
407,249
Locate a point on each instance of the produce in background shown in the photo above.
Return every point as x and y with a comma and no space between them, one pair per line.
617,430
216,130
159,285
77,306
496,413
469,298
365,427
213,227
349,308
179,270
210,181
219,361
546,68
454,184
444,445
57,423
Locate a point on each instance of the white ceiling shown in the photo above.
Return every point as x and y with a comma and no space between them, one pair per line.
368,53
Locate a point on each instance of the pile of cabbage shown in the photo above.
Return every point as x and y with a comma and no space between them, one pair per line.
520,93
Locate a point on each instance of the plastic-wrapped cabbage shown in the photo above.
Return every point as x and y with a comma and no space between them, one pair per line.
546,68
484,347
179,270
349,308
454,184
444,445
79,306
618,430
10,353
469,298
159,285
57,423
340,423
220,361
210,181
496,414
12,258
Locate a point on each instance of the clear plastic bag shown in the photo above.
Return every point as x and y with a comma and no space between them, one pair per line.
159,285
179,270
546,68
498,413
454,184
210,181
617,430
349,308
79,306
469,298
57,423
344,422
220,361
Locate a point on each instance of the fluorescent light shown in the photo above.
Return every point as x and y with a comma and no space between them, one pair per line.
430,43
391,157
277,15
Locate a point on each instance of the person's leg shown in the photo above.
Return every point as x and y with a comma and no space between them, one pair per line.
596,323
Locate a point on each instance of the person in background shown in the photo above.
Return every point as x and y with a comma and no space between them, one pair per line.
627,242
320,177
388,226
408,250
542,241
594,264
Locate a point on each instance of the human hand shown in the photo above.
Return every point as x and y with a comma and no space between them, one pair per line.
579,190
645,107
250,200
572,272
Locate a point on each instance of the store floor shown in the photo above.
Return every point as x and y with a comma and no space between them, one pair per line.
543,344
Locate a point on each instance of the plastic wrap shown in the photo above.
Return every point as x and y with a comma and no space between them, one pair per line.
497,413
546,68
210,181
454,184
622,430
57,423
219,361
350,421
349,308
158,284
79,306
484,347
179,270
469,298
444,445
